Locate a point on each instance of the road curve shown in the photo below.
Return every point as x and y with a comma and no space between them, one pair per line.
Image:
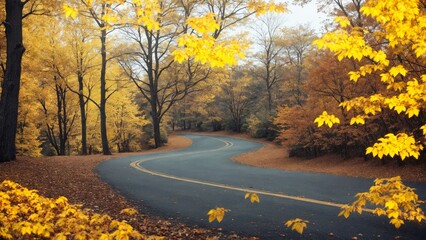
185,184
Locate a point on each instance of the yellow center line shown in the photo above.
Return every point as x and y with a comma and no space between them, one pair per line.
136,165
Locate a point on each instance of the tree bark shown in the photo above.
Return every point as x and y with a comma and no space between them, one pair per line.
60,115
269,90
102,109
156,124
157,133
82,114
64,121
12,80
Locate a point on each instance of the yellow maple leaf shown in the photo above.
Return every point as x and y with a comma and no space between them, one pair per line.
69,11
391,205
357,120
393,214
394,71
179,55
253,197
413,111
423,128
396,222
297,224
354,76
217,214
346,211
327,119
342,21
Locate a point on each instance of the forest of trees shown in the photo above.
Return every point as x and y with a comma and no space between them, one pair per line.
96,82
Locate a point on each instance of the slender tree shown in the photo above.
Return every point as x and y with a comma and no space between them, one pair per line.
82,42
270,71
236,99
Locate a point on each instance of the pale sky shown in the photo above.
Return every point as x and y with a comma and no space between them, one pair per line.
304,15
296,16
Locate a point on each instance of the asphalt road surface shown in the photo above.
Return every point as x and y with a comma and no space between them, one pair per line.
187,183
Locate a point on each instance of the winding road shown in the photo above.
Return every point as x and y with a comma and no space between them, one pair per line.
185,184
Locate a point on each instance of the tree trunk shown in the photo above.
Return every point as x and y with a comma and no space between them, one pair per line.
60,117
102,109
268,83
12,80
157,134
269,90
82,114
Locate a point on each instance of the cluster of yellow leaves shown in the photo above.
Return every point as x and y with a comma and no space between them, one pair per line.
368,105
352,45
402,20
342,21
204,24
261,7
110,18
358,120
217,214
396,145
297,224
147,12
412,100
326,119
253,197
204,48
70,11
394,199
24,214
401,30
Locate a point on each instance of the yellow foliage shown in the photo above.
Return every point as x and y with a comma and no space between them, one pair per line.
392,198
204,24
394,71
253,197
297,224
217,214
147,13
26,215
70,11
400,32
261,7
358,120
327,119
423,128
207,50
203,46
129,211
342,21
392,145
110,18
